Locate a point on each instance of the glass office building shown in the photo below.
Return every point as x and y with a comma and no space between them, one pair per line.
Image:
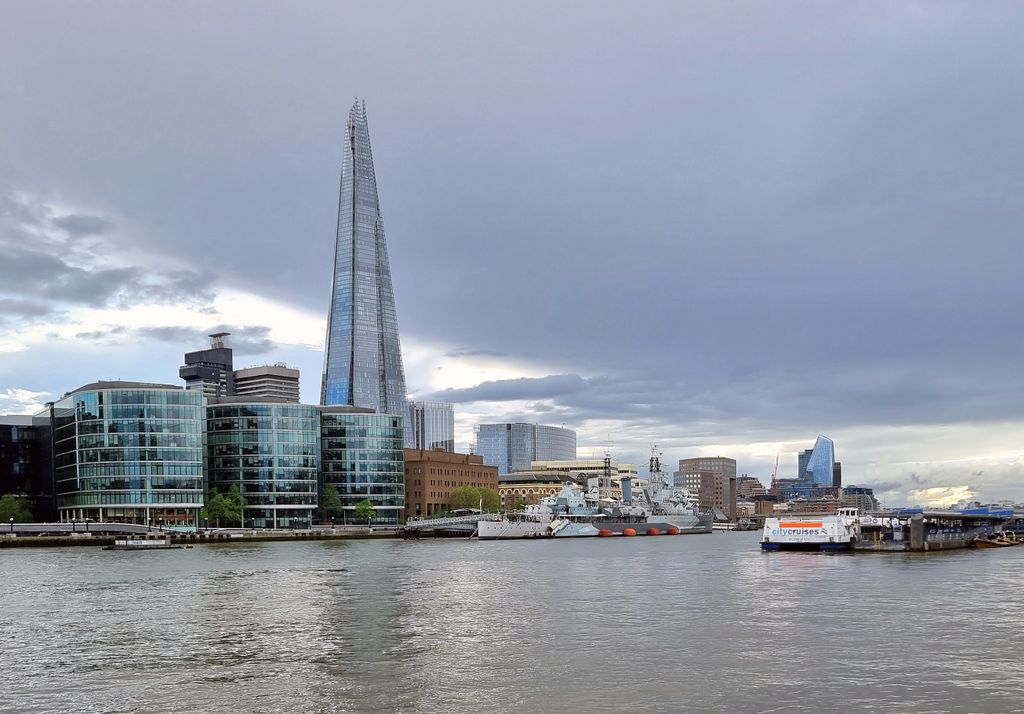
431,426
363,357
128,452
512,447
362,457
271,452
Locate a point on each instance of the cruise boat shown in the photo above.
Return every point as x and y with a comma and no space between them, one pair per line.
808,532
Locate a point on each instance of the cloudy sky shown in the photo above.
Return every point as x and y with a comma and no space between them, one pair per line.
720,227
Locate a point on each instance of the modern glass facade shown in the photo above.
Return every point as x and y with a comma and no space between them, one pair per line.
24,466
431,426
128,452
363,357
271,451
362,457
512,447
819,464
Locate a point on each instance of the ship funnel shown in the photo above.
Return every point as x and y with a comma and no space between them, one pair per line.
627,490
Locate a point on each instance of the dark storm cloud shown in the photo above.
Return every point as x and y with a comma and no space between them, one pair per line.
738,219
38,274
42,266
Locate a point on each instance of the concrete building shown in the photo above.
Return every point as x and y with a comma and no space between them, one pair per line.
586,467
432,475
858,497
748,486
210,371
513,446
432,426
713,479
275,383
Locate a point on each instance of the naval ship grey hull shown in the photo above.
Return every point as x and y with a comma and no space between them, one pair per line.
686,525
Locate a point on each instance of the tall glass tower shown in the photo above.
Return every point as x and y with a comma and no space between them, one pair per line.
820,462
363,357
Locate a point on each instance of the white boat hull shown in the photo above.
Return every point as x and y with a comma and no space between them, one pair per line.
505,530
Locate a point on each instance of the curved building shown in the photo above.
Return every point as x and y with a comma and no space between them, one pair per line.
513,447
271,451
128,452
362,457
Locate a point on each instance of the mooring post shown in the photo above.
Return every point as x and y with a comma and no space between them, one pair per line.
917,541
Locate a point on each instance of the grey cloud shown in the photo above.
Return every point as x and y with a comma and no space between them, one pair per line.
23,308
514,389
80,224
467,352
101,334
244,339
26,272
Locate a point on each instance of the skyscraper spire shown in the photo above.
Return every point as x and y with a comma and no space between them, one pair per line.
362,355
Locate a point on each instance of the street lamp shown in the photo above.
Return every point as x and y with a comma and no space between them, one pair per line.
160,524
73,528
12,525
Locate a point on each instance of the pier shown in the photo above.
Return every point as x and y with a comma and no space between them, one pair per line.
918,530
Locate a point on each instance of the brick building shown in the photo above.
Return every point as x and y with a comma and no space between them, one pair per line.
432,475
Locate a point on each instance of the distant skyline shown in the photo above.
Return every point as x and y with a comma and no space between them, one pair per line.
720,228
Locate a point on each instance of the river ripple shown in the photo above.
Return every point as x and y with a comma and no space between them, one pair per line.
695,623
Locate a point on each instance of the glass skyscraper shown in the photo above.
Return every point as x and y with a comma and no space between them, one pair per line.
820,462
363,357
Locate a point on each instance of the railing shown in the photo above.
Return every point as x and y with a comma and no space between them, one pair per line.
432,523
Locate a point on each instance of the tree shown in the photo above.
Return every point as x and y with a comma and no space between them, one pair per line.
230,506
332,501
15,507
472,496
365,510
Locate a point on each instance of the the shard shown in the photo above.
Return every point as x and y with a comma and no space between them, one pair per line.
363,356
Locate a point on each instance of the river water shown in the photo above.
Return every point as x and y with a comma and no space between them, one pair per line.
691,623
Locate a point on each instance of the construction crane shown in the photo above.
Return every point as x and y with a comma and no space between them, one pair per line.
775,471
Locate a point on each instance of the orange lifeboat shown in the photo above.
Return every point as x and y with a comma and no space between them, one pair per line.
605,533
628,532
673,531
653,531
